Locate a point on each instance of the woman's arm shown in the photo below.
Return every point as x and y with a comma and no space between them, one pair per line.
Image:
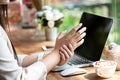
74,37
29,59
67,51
72,40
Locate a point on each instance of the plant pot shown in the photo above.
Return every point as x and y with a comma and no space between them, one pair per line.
51,34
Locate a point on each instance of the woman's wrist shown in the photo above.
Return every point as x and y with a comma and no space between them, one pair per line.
52,59
55,50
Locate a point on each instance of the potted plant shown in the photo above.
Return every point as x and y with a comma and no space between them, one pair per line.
50,19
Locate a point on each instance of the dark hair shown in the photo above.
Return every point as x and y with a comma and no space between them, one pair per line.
3,16
4,22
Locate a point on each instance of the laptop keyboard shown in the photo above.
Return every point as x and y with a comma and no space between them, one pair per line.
78,60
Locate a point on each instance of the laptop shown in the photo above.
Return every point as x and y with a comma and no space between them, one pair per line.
98,28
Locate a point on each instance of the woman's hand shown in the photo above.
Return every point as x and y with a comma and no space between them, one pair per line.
69,42
73,38
66,54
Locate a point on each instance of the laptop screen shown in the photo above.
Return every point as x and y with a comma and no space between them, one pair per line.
98,28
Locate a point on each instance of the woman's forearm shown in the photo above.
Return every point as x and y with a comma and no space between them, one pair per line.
28,60
51,60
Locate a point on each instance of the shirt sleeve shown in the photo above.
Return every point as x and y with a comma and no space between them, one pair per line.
41,54
9,68
20,59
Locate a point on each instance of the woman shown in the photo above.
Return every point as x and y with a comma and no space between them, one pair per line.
34,67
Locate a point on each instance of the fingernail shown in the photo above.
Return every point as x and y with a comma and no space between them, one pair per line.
84,34
80,24
70,44
85,28
61,48
65,31
64,45
82,40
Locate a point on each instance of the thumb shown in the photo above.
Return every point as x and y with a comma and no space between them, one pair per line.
62,34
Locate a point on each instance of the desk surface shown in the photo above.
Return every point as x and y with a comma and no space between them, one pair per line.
24,43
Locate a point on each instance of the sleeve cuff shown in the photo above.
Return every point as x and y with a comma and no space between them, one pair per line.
41,55
20,59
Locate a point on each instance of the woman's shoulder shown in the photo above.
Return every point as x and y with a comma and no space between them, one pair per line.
1,28
1,36
2,32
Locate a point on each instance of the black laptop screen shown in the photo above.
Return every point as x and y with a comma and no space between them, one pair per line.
98,28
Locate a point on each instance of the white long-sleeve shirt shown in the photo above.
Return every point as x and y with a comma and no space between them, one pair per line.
9,68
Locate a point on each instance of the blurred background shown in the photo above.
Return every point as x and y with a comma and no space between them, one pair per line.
22,13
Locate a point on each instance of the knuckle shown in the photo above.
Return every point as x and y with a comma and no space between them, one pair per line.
74,29
80,37
72,41
79,32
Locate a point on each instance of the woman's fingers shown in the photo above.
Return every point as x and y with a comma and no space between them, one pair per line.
82,30
77,37
74,30
68,51
63,59
61,34
79,43
64,52
80,37
76,44
62,56
71,47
